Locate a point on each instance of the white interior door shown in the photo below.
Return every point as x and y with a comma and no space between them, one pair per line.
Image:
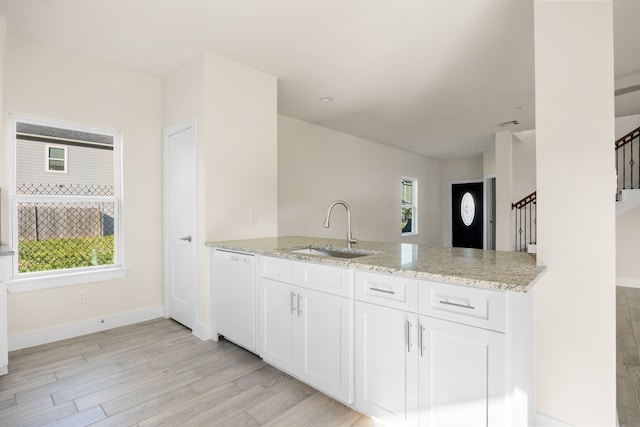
180,248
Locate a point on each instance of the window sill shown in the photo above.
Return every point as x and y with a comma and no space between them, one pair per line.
412,233
27,284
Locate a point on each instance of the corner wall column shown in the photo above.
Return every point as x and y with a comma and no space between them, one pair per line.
504,190
575,299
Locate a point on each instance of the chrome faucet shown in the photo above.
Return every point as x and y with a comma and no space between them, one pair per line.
350,238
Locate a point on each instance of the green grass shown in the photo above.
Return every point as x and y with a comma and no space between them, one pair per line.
57,254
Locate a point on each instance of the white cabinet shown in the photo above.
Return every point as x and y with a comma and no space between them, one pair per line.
279,324
413,369
386,364
323,342
461,375
307,332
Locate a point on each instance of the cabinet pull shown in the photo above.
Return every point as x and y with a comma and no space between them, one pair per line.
299,298
385,291
455,304
421,339
409,337
293,308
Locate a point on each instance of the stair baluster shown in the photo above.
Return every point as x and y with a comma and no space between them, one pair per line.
526,216
625,148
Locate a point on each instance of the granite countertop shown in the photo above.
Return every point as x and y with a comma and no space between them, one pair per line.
501,270
5,250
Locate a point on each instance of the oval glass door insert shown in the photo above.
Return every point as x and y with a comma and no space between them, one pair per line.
467,209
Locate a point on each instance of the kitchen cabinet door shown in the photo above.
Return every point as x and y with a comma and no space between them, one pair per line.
324,342
461,375
387,364
279,324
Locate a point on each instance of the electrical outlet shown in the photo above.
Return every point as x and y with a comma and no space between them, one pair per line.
82,296
253,219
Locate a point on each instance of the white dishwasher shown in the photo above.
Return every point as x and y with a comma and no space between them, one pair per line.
234,294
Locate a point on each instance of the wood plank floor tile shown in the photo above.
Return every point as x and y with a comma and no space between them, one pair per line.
135,382
180,416
167,403
150,391
80,419
628,357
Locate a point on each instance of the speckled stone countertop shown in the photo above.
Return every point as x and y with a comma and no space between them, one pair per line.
5,250
501,270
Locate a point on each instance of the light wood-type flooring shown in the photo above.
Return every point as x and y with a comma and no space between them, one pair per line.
628,356
157,373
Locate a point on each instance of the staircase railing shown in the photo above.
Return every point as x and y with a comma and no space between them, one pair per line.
526,227
628,161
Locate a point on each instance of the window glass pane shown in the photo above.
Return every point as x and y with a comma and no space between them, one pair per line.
407,223
63,223
467,209
409,205
407,192
56,165
56,153
61,235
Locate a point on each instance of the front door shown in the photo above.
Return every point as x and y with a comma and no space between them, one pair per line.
180,252
466,215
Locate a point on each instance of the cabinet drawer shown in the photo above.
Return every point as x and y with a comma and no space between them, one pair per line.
471,306
333,280
387,290
278,269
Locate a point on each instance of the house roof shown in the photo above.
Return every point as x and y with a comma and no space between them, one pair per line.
49,134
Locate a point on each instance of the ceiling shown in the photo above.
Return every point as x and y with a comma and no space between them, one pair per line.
433,77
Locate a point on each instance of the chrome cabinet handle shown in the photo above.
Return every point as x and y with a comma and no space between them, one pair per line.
447,302
421,339
186,238
386,291
299,298
409,337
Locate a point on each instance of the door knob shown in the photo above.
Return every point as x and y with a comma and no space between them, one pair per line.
187,238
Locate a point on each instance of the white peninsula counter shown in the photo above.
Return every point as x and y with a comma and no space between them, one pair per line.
408,334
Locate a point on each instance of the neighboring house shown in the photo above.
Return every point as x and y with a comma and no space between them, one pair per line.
61,162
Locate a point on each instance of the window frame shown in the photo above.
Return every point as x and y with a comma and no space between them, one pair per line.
48,158
413,206
23,282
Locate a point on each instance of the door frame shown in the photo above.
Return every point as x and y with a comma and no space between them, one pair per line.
489,196
450,216
166,133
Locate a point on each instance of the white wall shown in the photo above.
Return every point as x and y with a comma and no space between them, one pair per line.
627,238
524,166
626,124
470,169
317,165
45,81
236,113
575,313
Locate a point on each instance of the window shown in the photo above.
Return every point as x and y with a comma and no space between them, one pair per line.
409,206
467,209
65,222
56,158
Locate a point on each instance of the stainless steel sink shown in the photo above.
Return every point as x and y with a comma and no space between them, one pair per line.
331,251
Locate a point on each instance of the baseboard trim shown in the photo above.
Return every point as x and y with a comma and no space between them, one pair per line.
202,331
71,330
630,282
544,421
